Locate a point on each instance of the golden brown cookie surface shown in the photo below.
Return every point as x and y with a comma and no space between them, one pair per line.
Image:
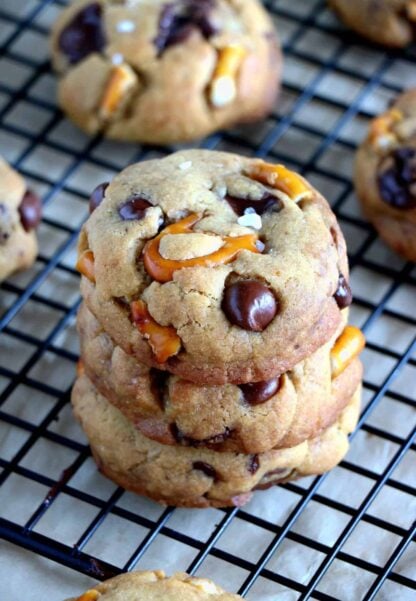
387,22
156,586
184,476
214,267
250,418
20,211
385,175
162,72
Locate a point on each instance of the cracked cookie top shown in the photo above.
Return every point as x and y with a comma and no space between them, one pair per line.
159,71
215,267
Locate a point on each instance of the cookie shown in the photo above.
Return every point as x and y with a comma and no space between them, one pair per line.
162,72
385,175
215,267
251,418
156,586
20,213
189,477
387,22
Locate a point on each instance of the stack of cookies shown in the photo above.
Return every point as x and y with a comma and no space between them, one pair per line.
216,358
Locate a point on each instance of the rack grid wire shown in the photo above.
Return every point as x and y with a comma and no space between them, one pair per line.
334,83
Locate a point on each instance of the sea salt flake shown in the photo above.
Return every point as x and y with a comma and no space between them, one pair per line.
117,59
125,26
250,220
186,165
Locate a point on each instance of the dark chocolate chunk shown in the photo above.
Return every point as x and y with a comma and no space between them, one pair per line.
343,294
30,211
256,393
97,196
253,464
268,202
178,20
397,183
206,468
250,305
134,208
84,34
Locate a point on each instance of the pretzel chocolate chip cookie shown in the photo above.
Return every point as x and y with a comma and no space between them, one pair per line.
189,477
250,418
387,22
214,267
156,586
385,175
20,213
162,72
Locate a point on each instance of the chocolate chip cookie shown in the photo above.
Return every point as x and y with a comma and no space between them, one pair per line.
162,72
20,213
250,418
214,267
387,22
189,477
156,586
385,175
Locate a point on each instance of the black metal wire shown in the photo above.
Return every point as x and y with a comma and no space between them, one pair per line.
75,556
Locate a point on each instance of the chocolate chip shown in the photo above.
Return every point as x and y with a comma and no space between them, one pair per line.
134,208
281,475
97,196
30,211
250,305
158,380
181,438
206,468
178,20
84,34
256,393
268,202
343,294
397,183
253,464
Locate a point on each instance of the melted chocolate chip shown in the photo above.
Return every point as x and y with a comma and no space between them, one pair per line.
192,442
267,202
84,34
250,305
343,294
206,468
253,464
97,196
134,208
158,379
281,475
179,19
256,393
397,183
30,211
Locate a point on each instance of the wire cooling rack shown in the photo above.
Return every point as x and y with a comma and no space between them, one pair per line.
349,535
